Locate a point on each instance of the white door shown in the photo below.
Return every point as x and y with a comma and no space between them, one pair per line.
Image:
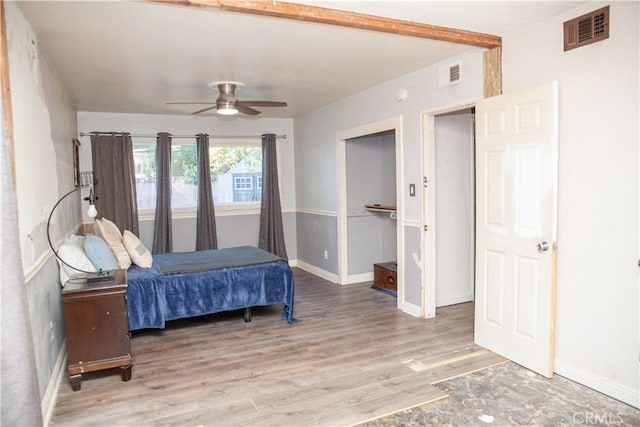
516,186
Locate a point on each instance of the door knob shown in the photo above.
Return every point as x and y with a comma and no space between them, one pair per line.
543,247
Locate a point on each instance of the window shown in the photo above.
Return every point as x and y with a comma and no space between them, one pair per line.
235,165
242,183
144,158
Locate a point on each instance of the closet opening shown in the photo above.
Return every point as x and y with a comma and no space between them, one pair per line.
372,210
449,209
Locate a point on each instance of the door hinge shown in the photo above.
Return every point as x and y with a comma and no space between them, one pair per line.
425,181
426,228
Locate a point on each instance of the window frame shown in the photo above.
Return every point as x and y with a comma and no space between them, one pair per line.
221,208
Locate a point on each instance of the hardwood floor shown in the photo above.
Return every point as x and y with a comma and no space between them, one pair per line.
352,358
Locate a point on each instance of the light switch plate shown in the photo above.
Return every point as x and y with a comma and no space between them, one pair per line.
412,190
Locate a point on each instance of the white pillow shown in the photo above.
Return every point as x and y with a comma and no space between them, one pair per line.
140,255
110,233
72,253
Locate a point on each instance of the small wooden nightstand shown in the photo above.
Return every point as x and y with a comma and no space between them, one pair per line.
385,276
97,327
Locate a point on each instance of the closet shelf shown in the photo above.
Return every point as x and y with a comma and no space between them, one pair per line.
380,208
391,210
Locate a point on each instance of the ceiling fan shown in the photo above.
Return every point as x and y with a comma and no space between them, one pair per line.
227,104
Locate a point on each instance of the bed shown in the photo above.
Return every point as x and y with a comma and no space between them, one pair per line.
188,284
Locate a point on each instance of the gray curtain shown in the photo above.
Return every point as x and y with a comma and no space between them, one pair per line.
271,237
206,218
114,171
20,396
162,232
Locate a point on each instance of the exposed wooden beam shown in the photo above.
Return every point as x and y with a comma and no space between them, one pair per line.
492,70
347,19
5,89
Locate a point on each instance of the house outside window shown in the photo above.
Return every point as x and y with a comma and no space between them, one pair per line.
245,186
236,166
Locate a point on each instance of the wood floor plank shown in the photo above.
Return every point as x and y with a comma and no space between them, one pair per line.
343,364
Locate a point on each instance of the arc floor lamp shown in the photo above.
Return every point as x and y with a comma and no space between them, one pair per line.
86,180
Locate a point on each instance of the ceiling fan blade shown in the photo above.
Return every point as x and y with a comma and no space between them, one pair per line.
203,110
243,108
264,103
189,102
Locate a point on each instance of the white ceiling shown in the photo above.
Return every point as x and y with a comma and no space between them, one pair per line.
133,57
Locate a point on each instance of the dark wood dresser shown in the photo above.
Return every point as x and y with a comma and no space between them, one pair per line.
97,327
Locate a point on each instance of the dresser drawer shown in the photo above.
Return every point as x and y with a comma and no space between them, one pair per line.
385,275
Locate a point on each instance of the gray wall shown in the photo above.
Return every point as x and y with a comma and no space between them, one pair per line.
317,233
412,263
43,294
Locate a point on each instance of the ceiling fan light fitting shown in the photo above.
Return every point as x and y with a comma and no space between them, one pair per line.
228,105
226,108
227,111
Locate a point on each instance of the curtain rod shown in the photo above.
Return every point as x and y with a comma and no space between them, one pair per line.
133,135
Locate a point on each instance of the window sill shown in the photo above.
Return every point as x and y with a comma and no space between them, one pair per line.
188,213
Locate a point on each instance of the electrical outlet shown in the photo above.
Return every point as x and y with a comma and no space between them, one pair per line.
326,254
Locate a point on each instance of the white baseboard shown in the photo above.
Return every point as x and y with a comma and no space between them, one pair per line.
412,309
293,263
454,299
317,271
48,403
359,278
604,385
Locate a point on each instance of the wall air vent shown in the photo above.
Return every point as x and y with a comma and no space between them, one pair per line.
586,29
454,73
450,74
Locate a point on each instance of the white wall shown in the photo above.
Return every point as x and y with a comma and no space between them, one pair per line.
230,232
316,188
44,124
455,208
597,325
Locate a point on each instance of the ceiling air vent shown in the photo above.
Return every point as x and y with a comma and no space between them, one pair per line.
450,74
586,29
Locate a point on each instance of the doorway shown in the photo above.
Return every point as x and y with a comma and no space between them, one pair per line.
350,263
516,217
449,207
371,203
454,187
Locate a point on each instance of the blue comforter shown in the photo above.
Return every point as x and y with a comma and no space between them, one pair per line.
153,297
